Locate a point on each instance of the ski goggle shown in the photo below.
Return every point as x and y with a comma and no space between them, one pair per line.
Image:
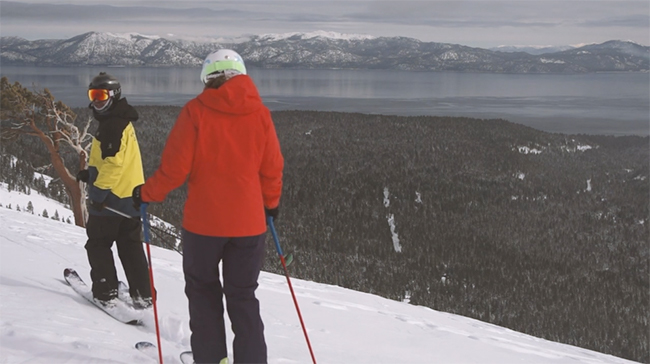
96,94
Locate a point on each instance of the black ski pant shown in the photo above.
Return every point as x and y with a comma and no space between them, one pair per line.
102,231
242,261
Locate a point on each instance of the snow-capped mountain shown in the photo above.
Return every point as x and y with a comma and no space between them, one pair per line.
320,50
535,50
98,48
310,35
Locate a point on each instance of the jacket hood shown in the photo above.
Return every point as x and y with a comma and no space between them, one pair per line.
237,96
121,110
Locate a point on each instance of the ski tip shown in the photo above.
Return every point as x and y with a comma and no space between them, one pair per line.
144,345
69,273
187,358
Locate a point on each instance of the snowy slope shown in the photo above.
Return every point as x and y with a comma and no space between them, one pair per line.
43,321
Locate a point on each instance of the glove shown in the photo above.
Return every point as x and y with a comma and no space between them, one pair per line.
97,206
137,197
83,176
274,213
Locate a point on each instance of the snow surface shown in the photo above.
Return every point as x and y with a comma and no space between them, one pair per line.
43,321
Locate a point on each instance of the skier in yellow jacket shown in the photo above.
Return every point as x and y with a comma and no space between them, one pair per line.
114,169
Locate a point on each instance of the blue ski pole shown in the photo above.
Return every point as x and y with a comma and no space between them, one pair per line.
286,273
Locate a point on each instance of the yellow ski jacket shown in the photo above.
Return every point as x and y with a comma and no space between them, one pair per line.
115,163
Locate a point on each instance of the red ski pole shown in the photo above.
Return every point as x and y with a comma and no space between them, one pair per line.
293,295
147,240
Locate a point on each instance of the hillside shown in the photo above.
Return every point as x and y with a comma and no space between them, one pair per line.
541,233
320,51
44,321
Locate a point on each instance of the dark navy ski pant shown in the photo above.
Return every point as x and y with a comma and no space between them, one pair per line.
242,261
102,232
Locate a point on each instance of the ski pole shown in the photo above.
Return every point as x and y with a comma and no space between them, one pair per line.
286,273
160,231
147,240
119,212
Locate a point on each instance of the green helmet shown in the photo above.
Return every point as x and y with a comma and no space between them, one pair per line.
223,61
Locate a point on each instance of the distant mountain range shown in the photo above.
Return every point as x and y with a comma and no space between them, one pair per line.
322,50
536,50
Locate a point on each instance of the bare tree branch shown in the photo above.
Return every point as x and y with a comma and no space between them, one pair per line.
37,113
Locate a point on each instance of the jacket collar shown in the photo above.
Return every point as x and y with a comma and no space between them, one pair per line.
121,110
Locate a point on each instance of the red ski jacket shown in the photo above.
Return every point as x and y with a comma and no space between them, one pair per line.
225,145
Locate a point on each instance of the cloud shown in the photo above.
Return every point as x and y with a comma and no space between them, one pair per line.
474,23
632,21
508,13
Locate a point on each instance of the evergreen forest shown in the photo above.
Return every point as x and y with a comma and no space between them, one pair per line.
543,233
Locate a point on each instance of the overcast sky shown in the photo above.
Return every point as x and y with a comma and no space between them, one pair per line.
478,23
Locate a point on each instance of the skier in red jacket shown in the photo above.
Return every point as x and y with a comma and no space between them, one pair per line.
225,145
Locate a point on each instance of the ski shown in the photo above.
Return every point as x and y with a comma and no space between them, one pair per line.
124,295
147,348
151,350
187,357
119,310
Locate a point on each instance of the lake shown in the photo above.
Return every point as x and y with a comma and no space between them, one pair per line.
603,103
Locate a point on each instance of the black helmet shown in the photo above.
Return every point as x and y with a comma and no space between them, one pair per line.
106,82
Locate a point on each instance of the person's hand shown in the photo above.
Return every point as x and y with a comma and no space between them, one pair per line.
137,197
274,213
83,176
